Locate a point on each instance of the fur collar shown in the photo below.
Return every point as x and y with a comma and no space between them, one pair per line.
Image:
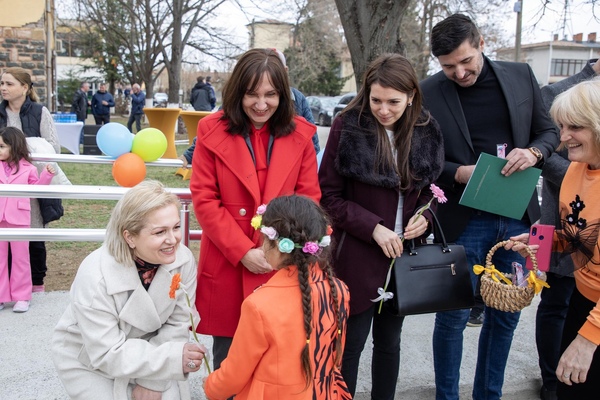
358,142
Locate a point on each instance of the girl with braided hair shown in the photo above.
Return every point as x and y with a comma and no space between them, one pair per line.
290,337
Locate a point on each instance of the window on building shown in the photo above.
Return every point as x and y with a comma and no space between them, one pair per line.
565,67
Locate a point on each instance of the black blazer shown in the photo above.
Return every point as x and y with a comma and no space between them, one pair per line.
531,126
80,105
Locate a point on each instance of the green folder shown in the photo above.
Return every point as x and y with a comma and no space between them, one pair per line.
489,190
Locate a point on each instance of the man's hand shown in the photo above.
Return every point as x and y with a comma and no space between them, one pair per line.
463,173
518,160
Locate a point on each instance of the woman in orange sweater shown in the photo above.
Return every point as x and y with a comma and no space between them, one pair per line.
289,340
576,113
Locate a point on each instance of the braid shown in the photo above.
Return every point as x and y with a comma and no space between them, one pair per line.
307,308
336,309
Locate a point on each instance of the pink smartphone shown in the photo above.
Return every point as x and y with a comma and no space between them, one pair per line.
541,235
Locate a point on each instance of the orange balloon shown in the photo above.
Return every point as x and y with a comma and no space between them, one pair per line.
129,169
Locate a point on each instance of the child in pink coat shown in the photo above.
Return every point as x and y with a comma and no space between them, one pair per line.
16,167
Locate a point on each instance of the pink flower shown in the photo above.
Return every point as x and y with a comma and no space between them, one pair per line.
438,193
270,232
263,207
311,248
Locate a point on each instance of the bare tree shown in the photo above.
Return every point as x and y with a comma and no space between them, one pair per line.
151,35
371,28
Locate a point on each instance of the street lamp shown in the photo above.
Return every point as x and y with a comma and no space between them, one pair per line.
518,8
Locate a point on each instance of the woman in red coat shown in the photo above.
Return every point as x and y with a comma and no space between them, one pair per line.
252,151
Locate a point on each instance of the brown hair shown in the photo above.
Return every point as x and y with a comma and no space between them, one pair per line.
301,220
24,78
396,72
17,141
245,77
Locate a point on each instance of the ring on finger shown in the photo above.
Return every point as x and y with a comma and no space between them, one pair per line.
191,365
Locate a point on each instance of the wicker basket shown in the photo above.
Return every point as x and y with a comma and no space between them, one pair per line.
499,295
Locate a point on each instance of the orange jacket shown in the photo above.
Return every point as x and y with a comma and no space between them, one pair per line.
226,194
264,359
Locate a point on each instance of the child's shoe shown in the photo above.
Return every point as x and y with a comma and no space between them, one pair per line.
38,289
21,306
1,306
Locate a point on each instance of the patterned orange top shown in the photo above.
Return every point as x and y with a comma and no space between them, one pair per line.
264,359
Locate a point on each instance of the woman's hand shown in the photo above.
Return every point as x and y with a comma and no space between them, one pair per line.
141,393
192,352
388,240
520,245
575,362
255,262
416,227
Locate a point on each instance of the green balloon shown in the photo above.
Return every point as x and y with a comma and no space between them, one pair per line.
150,144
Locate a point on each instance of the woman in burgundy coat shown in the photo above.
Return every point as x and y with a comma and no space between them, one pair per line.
382,153
252,151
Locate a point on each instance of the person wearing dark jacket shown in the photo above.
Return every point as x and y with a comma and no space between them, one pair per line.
138,98
213,101
81,102
482,106
102,101
202,96
382,154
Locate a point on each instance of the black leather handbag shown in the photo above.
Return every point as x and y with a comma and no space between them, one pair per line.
431,277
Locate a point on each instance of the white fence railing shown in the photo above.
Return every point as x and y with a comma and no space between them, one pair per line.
83,192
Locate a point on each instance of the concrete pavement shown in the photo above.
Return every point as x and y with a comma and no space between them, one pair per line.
27,372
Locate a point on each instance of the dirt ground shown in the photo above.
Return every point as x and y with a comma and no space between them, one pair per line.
63,263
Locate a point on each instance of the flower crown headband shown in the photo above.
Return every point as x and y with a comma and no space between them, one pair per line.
286,245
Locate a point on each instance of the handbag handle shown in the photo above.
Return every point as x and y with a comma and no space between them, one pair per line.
436,226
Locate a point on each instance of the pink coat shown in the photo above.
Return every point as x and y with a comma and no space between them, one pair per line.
16,210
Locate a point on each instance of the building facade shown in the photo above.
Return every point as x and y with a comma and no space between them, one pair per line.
557,59
26,40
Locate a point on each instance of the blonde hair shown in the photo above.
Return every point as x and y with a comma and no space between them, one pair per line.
130,215
24,78
578,106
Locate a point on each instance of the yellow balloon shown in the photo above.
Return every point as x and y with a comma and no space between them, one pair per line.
150,144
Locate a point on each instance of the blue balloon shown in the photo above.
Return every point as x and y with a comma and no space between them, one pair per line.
114,139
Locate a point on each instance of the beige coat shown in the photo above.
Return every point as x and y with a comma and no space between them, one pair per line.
115,334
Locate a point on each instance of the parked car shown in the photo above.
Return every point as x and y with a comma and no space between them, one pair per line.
322,109
160,99
344,100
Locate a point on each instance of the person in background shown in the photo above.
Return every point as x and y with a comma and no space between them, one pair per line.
253,150
302,311
213,98
16,168
382,154
122,335
554,303
301,105
138,100
80,102
102,101
489,107
202,96
21,109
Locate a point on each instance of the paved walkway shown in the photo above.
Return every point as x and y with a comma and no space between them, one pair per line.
27,373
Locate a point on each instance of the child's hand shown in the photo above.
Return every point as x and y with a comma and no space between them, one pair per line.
50,169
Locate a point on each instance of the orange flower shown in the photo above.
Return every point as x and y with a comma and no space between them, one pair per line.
174,285
329,230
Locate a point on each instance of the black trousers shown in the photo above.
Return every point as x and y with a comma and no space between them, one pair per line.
221,345
37,259
579,309
102,119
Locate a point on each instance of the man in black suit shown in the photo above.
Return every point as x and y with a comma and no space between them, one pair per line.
495,108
